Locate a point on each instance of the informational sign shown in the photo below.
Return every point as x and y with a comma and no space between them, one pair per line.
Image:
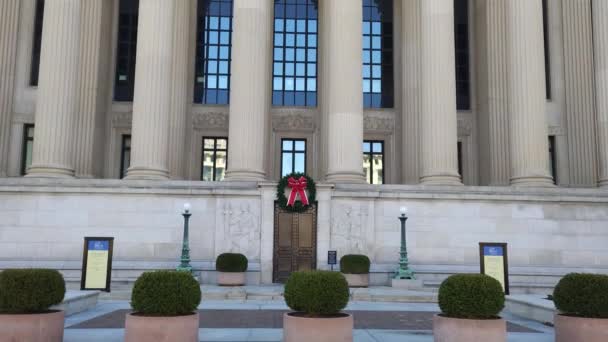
494,262
332,257
97,263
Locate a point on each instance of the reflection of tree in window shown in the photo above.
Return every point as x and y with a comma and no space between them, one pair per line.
378,53
215,151
293,156
373,161
213,52
294,69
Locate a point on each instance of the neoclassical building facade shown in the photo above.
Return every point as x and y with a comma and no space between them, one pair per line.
490,116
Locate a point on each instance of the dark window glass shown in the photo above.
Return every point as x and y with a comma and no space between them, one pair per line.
294,70
37,43
461,35
547,55
293,156
377,55
213,52
27,148
214,162
125,155
459,156
552,159
124,83
373,161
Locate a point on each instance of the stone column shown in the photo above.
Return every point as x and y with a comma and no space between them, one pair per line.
57,98
250,90
152,98
89,133
492,92
580,105
410,31
342,97
9,20
526,77
181,94
600,42
438,120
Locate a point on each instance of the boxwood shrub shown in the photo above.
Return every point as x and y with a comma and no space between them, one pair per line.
30,290
231,262
583,295
316,293
165,293
354,264
472,296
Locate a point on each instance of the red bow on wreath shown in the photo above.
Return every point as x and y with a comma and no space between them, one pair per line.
298,187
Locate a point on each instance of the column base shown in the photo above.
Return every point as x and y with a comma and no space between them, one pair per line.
245,175
441,180
533,182
49,171
603,183
147,173
345,177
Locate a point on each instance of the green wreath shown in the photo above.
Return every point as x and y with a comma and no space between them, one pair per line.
298,207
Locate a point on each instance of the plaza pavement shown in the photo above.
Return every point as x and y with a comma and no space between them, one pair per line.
106,314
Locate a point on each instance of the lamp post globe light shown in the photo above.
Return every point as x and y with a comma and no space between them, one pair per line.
185,259
403,272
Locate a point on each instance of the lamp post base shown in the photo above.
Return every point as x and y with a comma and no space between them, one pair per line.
184,268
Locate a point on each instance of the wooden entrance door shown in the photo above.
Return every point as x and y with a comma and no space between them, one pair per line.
295,242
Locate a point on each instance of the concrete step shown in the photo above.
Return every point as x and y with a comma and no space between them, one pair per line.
77,301
531,306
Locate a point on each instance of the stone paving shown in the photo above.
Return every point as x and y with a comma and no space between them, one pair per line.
237,320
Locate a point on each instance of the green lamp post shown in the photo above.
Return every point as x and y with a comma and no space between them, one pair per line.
185,260
403,272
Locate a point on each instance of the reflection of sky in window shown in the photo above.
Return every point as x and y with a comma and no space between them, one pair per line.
293,156
212,81
377,53
294,69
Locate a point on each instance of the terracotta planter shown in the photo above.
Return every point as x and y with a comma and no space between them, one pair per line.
569,328
357,280
231,278
306,329
161,329
44,327
446,329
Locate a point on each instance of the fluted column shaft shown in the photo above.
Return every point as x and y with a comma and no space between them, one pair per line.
57,98
9,19
342,88
180,88
438,125
94,76
600,42
152,98
410,31
249,89
492,92
527,124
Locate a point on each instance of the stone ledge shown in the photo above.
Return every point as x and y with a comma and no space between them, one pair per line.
532,307
77,301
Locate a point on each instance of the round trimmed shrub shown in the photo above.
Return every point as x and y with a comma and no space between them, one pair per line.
231,262
583,295
30,290
316,293
354,264
165,293
471,296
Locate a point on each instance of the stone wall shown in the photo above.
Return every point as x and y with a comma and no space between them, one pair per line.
549,231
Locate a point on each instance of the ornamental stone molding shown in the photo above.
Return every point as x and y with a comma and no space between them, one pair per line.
556,130
293,120
122,119
215,120
23,118
465,127
379,122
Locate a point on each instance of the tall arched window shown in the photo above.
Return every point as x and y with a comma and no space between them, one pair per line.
213,52
294,81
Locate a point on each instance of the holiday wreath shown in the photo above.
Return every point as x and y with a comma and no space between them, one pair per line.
301,192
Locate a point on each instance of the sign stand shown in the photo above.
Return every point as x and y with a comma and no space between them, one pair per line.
494,262
97,263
